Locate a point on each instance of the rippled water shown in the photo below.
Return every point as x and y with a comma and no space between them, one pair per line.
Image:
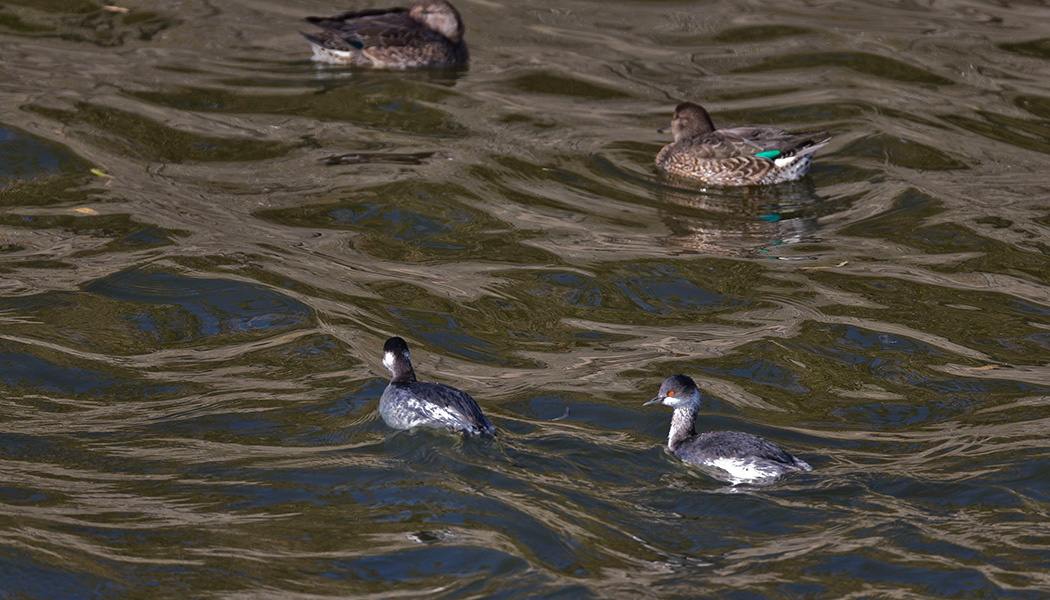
205,239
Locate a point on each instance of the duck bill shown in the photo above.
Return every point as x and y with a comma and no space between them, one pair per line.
655,400
666,129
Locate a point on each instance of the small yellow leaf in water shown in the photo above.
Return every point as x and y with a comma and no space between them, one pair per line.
115,9
986,368
85,211
100,172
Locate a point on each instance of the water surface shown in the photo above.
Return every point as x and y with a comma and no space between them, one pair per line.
205,240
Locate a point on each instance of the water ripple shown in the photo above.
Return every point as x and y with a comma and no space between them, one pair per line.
205,239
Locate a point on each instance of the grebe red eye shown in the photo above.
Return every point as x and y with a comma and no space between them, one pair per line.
670,394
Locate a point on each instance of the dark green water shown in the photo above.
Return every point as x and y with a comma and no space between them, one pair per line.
205,240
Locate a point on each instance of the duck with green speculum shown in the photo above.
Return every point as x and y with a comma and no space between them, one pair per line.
430,34
748,155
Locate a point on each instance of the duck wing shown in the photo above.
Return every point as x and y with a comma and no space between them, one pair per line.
739,445
734,142
457,401
369,29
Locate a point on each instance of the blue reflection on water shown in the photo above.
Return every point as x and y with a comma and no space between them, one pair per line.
24,157
582,290
24,577
762,371
27,372
406,225
444,331
209,307
663,289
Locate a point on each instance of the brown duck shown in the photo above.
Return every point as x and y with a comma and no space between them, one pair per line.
430,34
748,155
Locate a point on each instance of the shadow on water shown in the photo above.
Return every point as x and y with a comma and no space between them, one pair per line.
205,239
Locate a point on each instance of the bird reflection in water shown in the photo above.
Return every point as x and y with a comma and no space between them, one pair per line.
739,221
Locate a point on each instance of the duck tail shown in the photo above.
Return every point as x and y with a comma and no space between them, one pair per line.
800,155
807,146
313,39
